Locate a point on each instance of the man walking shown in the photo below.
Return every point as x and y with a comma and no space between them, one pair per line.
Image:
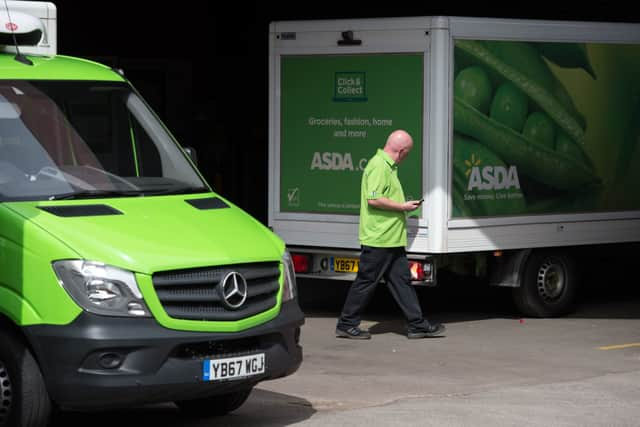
383,237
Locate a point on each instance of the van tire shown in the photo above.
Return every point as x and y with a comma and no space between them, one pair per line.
214,406
24,401
548,284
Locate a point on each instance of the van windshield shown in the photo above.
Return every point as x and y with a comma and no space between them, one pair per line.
83,139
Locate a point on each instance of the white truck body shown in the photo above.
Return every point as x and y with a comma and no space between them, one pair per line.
560,212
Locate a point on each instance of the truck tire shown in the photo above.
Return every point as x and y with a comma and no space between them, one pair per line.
214,406
24,401
548,284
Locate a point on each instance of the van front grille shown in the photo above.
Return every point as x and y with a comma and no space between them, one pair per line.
195,294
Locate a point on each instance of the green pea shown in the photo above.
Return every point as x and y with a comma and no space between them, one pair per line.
540,128
509,106
472,85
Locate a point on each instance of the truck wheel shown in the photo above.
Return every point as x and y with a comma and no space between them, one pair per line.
548,285
214,406
24,401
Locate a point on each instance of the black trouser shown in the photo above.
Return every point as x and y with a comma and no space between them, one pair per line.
376,263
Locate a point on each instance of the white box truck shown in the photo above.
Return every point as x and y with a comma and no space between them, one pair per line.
526,144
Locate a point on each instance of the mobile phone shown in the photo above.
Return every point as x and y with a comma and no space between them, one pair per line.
421,200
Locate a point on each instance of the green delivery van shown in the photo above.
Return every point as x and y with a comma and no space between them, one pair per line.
124,278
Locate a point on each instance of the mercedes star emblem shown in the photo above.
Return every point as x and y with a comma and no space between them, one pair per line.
233,290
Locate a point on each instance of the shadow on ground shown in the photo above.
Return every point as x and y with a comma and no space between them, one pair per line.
263,408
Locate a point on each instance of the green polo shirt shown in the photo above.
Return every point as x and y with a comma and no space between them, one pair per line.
380,227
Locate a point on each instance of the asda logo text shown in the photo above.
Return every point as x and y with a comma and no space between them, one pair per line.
493,178
335,162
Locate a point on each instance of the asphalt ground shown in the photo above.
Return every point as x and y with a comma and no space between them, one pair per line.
492,368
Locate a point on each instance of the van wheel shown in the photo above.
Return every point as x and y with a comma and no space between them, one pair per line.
215,405
24,401
548,285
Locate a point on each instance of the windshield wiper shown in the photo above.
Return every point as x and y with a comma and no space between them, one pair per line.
89,194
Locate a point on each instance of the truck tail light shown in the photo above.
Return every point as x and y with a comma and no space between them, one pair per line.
417,271
301,263
422,271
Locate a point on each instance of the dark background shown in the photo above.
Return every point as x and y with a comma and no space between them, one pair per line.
203,65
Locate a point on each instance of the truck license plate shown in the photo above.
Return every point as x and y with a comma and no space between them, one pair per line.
345,265
233,367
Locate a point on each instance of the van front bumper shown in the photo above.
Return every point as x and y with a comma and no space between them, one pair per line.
98,361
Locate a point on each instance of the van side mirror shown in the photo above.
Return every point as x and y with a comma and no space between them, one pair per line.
191,152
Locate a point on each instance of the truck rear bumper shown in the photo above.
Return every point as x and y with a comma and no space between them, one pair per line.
99,362
336,264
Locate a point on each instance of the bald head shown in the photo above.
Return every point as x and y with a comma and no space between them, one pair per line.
398,145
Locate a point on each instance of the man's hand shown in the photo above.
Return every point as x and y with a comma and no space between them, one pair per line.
388,204
412,205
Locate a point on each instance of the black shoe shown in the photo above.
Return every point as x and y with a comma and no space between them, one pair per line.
432,330
353,333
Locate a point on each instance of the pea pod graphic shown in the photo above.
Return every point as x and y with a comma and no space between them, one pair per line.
535,89
552,168
560,92
567,55
525,58
563,169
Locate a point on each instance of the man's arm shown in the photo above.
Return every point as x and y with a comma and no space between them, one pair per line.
390,205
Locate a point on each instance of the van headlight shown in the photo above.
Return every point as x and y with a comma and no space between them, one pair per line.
289,289
101,289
